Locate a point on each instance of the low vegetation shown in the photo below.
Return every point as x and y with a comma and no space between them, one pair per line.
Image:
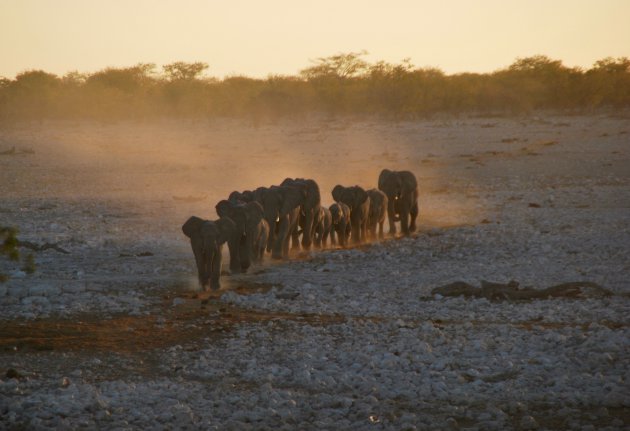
339,84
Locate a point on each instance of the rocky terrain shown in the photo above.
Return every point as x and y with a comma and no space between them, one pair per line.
110,331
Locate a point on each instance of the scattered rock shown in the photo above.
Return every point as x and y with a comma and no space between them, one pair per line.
12,373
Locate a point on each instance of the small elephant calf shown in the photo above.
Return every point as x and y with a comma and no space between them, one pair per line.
322,227
340,223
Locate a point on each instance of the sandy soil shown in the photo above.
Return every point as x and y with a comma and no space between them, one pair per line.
540,199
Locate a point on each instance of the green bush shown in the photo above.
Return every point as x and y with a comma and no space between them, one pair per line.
339,84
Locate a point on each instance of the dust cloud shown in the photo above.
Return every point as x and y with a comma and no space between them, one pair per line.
179,168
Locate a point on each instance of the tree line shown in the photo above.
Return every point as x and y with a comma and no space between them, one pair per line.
340,84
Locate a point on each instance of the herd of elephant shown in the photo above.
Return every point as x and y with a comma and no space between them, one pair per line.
269,218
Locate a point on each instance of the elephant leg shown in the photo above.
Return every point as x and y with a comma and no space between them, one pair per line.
270,238
285,248
235,253
404,222
295,239
318,240
381,235
276,251
356,231
215,273
332,235
364,229
308,231
324,239
264,237
372,231
414,215
391,216
346,230
202,272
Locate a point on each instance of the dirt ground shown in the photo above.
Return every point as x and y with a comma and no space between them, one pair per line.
114,196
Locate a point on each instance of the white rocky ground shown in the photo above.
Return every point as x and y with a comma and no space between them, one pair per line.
337,339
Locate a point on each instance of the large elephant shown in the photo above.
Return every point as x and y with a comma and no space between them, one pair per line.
378,211
401,189
309,208
253,230
340,223
281,206
358,201
207,239
323,224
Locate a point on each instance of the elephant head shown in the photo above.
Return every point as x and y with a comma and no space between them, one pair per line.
390,183
206,239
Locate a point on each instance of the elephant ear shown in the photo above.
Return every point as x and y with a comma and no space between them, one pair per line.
359,197
382,178
314,197
254,211
291,199
226,229
192,226
337,192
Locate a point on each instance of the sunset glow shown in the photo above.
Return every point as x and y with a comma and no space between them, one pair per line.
280,37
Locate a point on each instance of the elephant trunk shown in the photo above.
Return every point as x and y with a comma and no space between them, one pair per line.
272,220
278,249
307,235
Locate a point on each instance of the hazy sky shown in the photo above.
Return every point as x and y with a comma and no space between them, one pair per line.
261,37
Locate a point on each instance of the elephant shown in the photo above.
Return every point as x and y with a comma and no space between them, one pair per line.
323,224
207,239
281,206
340,223
358,201
253,229
401,188
309,208
378,211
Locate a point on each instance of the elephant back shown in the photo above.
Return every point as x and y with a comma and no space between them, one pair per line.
408,181
310,188
354,196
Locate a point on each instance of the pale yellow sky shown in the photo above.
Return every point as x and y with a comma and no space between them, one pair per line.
257,38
